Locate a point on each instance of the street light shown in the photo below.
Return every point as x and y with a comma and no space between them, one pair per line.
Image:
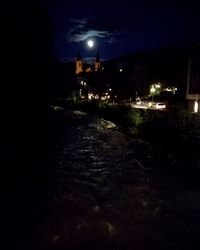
152,91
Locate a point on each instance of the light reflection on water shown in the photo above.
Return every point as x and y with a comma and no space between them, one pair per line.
96,154
107,195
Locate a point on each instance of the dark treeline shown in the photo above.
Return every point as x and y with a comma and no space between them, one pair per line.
27,81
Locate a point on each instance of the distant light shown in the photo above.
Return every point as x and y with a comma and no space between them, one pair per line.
110,89
152,90
158,85
90,96
90,43
83,83
196,106
102,68
120,70
160,105
150,104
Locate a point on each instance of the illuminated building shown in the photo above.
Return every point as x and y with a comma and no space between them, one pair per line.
82,68
89,79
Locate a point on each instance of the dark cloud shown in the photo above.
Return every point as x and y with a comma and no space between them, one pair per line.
110,25
82,29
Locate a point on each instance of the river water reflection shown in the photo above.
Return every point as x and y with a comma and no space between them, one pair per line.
106,195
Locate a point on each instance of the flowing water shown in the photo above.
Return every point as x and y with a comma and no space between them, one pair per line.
106,195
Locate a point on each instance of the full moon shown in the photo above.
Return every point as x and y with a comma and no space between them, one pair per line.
90,43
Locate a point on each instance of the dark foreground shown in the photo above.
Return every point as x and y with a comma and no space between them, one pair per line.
106,195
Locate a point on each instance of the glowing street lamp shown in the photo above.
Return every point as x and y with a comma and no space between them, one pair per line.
152,91
158,86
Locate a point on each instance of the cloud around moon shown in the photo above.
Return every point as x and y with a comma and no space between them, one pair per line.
83,29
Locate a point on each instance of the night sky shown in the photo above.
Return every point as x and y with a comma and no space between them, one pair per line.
120,27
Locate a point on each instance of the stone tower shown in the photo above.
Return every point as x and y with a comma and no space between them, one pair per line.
79,64
97,65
